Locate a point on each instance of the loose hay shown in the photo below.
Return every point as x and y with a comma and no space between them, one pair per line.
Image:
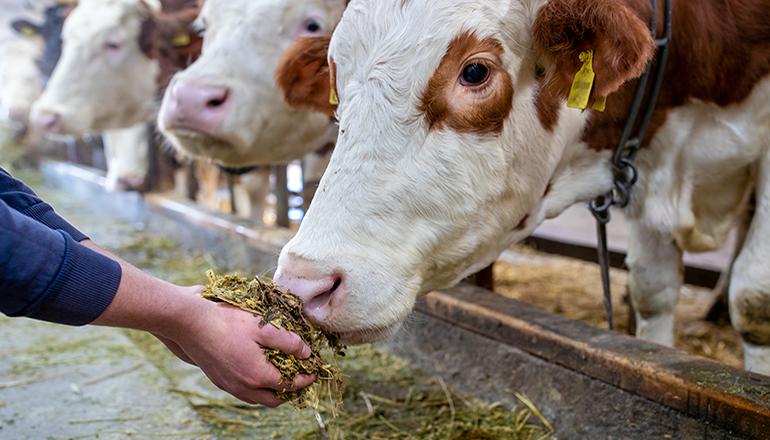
284,310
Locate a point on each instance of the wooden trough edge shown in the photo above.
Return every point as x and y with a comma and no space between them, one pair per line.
696,387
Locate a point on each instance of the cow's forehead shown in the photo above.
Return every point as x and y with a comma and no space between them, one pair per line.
93,18
376,26
237,13
401,42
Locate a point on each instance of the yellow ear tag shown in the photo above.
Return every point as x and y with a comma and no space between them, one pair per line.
580,94
333,100
600,104
28,31
181,40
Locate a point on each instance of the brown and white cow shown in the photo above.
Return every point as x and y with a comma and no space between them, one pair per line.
456,141
226,105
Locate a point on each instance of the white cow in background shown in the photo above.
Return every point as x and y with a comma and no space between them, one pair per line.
104,83
226,106
103,80
117,55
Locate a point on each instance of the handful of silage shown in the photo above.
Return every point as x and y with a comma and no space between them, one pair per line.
283,310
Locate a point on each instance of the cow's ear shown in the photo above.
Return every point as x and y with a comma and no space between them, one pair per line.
304,77
25,27
620,40
148,35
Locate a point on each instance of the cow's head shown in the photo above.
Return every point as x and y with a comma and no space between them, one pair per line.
226,105
105,78
453,127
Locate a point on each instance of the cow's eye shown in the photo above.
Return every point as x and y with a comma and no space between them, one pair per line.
312,26
475,74
111,45
199,27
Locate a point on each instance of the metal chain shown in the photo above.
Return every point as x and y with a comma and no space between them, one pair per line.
625,174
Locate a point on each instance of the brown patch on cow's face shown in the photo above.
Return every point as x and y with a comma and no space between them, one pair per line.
303,75
547,106
451,102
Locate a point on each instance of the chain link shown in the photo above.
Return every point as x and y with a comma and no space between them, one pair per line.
625,173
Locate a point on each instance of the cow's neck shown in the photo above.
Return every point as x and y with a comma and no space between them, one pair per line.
719,52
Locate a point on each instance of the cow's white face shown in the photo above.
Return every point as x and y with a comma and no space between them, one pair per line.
448,143
226,105
103,80
20,82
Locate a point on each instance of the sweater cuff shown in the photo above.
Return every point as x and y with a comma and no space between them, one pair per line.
44,213
82,290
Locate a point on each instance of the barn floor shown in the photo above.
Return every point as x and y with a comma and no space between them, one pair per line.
105,383
572,288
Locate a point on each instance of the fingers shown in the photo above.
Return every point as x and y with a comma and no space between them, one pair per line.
266,396
272,337
302,382
257,397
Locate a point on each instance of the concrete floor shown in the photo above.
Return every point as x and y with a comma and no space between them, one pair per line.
71,383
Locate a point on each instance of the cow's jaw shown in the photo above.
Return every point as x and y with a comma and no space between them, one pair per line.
103,81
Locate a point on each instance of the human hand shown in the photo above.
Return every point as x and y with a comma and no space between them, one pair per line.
227,344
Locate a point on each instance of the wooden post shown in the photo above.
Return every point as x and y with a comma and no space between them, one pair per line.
485,278
281,196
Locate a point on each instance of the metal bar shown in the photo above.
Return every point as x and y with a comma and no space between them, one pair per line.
282,197
604,267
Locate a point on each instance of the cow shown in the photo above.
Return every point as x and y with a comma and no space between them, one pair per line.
456,141
226,106
120,52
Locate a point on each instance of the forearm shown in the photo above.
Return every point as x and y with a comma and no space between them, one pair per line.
144,302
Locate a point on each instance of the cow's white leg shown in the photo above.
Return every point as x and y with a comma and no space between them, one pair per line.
655,278
251,192
750,284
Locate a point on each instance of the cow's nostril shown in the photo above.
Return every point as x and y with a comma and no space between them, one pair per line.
337,282
324,299
217,102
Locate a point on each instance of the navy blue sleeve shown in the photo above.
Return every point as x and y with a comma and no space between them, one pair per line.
21,198
45,274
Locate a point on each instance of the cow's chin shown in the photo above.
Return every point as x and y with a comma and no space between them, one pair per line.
198,145
368,335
